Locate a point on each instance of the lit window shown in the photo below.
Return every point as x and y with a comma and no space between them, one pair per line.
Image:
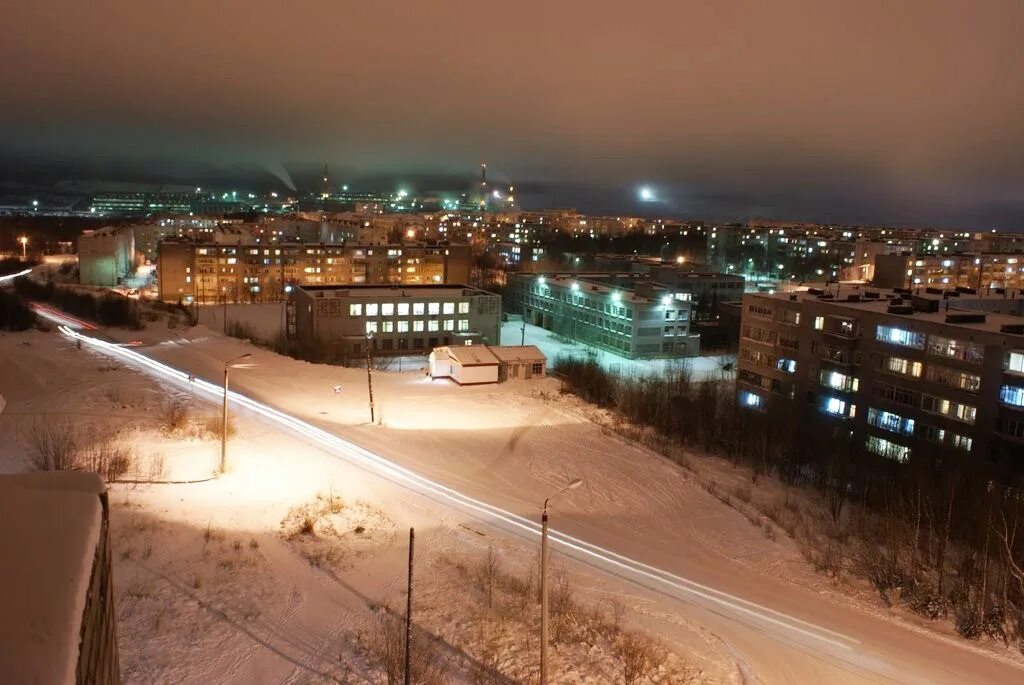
449,324
834,405
434,308
1016,362
371,310
463,324
819,323
417,326
901,337
887,449
787,365
449,308
355,310
387,309
961,442
751,400
403,309
433,325
371,327
463,307
1012,394
403,326
417,309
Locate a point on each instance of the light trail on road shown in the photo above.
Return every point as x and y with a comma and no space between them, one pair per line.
11,277
636,571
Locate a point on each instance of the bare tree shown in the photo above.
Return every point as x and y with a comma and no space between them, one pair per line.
639,656
51,444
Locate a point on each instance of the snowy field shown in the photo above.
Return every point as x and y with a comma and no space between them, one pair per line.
555,346
277,571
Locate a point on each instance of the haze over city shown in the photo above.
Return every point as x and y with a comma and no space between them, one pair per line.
541,343
868,112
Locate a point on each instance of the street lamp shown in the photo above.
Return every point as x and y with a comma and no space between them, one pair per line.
369,375
24,246
233,363
544,580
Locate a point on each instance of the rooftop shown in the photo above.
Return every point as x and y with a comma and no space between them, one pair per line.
517,353
431,289
919,304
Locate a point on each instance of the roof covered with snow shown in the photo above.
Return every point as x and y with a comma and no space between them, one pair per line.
517,353
473,355
49,530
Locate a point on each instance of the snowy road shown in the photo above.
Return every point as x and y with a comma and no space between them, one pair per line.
844,654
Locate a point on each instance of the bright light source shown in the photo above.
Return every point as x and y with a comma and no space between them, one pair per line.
680,259
540,280
647,194
345,188
575,285
616,297
666,300
35,203
496,195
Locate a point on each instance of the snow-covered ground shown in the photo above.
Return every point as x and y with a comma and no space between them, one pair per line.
214,588
555,346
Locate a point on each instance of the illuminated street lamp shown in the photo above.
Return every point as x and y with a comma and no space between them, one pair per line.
573,484
369,374
24,246
233,363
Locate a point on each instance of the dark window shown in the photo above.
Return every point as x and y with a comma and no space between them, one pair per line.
417,343
389,344
538,368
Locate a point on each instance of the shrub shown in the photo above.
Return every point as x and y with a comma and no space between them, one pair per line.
15,314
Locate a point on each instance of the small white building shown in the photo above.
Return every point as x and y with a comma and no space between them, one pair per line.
476,364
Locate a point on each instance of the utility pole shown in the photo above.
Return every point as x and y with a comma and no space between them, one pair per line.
369,375
523,341
224,414
408,611
575,483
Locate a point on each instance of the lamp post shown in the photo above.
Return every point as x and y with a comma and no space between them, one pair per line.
544,580
369,374
24,247
224,414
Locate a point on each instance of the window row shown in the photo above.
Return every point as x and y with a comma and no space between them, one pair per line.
417,326
404,308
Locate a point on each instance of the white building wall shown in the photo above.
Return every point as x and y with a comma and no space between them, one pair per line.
469,375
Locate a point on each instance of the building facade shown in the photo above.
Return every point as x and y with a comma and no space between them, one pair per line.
106,256
411,319
641,323
210,273
906,374
978,271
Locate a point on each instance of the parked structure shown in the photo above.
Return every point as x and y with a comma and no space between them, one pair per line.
211,273
407,319
106,256
645,321
907,374
57,594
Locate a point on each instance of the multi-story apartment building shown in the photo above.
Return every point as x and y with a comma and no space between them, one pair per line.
642,321
209,272
408,319
907,374
977,271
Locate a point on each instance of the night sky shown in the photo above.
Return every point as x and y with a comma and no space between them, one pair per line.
890,112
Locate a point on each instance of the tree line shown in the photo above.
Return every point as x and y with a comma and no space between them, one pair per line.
942,534
107,309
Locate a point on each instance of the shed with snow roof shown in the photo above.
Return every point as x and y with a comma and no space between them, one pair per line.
440,363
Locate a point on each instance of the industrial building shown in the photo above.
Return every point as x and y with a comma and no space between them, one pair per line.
106,256
645,321
208,272
906,373
401,319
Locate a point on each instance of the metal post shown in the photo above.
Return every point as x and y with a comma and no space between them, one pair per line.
544,596
224,424
369,378
408,611
225,311
523,342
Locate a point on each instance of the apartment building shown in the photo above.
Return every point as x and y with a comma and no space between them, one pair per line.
908,374
207,272
106,256
978,271
645,321
407,319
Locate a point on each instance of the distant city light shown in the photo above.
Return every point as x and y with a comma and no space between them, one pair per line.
647,194
680,259
345,188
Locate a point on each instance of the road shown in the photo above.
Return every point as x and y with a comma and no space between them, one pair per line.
777,632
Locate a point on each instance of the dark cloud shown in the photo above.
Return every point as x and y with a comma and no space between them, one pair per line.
902,111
